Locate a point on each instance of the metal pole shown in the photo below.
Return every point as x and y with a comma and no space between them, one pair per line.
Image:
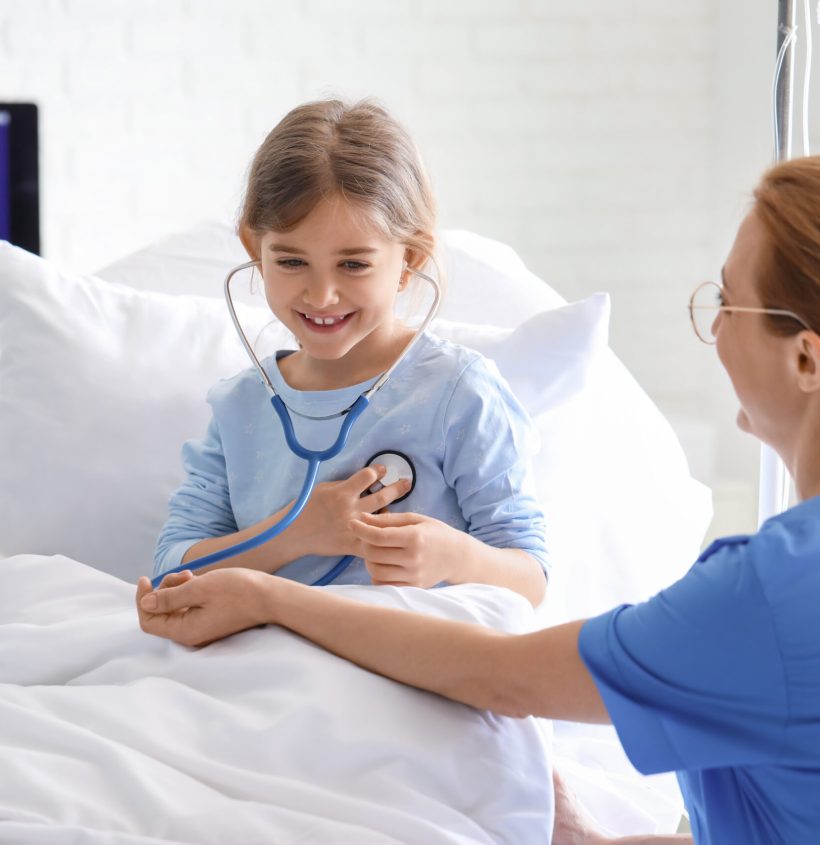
774,482
785,82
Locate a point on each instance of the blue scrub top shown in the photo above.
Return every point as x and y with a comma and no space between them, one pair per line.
718,678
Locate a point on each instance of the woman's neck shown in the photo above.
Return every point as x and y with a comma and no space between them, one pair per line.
804,463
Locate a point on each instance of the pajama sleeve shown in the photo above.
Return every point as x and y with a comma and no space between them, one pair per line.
489,440
201,507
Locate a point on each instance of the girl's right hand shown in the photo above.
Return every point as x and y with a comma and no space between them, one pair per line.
324,524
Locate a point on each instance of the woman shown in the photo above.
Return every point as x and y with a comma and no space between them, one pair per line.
716,677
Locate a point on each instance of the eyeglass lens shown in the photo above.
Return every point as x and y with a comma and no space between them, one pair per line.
705,308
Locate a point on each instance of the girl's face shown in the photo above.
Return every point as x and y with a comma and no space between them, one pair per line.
333,280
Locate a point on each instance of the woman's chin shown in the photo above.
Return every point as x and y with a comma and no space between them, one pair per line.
743,422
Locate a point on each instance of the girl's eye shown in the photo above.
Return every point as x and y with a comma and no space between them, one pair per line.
289,263
354,265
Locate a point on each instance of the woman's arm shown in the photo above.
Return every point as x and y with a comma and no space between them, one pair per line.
540,673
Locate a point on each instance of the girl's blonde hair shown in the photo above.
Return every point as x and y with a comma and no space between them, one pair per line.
787,202
357,151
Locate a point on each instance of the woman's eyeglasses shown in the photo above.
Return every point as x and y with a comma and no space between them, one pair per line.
706,303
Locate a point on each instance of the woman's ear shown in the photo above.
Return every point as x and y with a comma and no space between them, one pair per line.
250,240
808,361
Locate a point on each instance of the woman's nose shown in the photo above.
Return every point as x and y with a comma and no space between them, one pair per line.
716,324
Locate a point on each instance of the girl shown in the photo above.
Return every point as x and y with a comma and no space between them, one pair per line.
338,210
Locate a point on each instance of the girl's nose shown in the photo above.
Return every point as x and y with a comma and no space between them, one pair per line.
320,293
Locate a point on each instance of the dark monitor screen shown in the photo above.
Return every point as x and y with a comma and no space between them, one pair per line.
19,176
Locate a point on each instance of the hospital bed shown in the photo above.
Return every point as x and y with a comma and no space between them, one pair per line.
109,735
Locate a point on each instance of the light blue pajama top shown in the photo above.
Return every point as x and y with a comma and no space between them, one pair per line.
446,407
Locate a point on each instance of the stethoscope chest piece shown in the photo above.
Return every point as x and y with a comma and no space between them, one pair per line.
398,466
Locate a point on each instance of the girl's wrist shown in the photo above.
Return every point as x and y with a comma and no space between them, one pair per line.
460,558
291,543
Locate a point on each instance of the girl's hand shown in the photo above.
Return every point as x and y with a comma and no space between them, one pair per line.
196,610
407,549
325,521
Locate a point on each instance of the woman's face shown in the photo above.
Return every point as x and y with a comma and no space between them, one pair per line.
756,360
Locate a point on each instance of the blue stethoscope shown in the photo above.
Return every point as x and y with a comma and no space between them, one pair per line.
398,465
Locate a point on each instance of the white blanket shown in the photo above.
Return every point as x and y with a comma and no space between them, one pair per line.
109,735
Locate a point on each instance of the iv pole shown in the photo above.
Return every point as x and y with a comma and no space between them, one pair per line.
774,481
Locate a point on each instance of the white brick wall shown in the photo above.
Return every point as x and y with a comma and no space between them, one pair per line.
587,135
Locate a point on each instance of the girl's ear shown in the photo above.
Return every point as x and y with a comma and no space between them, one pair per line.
250,240
414,259
808,361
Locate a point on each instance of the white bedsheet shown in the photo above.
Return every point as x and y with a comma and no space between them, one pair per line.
108,735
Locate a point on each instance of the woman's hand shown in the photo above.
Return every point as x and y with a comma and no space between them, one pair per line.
195,611
573,823
575,826
407,549
324,524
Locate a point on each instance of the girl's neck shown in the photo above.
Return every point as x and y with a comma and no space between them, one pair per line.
303,372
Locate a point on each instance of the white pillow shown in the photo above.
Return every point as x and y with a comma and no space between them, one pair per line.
100,384
548,358
479,272
624,516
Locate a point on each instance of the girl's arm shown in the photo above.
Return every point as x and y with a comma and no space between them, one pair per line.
487,438
323,527
489,441
412,549
540,673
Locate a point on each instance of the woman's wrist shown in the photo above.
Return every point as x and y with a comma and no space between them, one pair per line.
278,597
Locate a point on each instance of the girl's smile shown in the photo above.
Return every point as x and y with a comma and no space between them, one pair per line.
326,323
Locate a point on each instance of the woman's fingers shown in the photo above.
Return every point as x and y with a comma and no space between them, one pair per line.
391,583
169,599
152,617
174,579
143,588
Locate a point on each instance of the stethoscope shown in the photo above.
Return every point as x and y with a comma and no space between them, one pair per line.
397,464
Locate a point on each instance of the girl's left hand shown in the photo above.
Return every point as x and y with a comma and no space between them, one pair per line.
408,549
196,610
